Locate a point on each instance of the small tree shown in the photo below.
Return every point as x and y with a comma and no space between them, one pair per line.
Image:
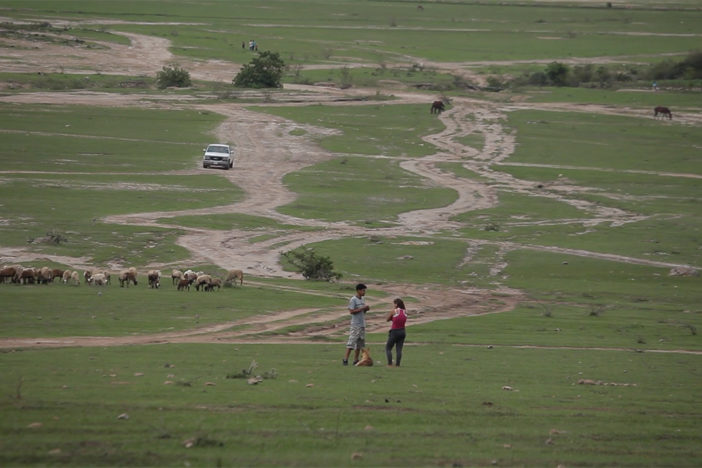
557,73
311,265
264,71
173,76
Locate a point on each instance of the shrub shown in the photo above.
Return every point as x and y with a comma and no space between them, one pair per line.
173,76
311,265
557,73
264,71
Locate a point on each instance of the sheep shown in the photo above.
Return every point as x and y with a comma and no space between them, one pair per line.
191,275
8,272
154,277
202,280
233,275
56,273
183,284
44,275
87,274
176,276
66,276
216,282
126,276
18,273
75,278
98,279
28,276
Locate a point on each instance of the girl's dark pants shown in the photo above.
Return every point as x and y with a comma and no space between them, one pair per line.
395,338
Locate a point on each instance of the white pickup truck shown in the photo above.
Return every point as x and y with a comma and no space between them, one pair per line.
218,155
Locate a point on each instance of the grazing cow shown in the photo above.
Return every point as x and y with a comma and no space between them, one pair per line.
663,111
437,107
365,360
233,275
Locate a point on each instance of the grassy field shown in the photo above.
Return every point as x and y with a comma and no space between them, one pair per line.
453,405
598,365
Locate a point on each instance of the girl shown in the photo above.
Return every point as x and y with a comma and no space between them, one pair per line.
396,336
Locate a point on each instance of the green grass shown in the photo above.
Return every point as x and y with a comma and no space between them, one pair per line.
404,259
642,97
376,129
593,139
368,77
115,311
370,190
74,205
77,138
448,399
446,406
21,82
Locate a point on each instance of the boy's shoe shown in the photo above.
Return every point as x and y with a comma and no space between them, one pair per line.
345,362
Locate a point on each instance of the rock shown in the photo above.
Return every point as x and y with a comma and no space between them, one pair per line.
683,271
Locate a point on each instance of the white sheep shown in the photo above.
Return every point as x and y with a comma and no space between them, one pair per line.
176,276
215,282
233,275
127,276
98,279
203,280
44,275
75,278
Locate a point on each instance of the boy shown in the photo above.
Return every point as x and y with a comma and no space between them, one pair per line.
357,333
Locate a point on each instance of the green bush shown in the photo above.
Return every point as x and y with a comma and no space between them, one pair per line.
311,265
264,71
173,76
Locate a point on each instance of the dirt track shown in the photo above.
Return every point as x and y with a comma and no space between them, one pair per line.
263,137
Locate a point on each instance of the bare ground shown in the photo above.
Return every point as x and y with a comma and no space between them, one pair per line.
266,138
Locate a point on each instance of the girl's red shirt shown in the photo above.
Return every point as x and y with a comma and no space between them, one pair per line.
398,319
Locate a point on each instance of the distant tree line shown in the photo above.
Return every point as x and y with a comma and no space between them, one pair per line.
560,74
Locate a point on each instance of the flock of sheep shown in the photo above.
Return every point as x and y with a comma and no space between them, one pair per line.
19,274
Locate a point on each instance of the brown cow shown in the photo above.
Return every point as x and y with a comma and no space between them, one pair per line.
437,107
663,111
